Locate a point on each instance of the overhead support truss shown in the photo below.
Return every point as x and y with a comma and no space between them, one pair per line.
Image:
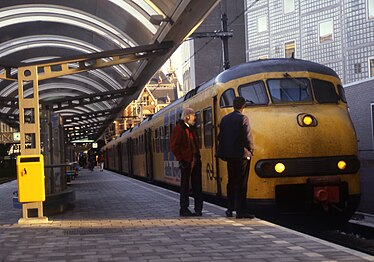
67,66
75,119
72,102
32,73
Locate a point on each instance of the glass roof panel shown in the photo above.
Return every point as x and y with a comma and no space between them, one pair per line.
145,6
63,15
131,10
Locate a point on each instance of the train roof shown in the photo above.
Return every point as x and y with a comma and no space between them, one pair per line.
273,65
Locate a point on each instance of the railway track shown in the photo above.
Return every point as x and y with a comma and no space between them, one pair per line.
351,235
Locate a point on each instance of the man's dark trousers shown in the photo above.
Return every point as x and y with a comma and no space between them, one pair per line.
238,171
196,185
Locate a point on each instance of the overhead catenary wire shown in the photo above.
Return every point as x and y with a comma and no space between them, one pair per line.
210,40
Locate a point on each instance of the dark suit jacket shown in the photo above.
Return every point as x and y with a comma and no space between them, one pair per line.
235,137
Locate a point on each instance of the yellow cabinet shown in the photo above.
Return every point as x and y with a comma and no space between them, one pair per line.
30,174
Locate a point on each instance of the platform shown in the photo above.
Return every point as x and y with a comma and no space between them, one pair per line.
116,218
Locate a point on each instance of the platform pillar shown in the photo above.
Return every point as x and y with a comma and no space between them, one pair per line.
28,104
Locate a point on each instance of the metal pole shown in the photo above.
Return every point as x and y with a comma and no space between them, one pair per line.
225,38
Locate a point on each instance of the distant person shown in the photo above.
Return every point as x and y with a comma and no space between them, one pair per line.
184,144
102,159
91,162
236,147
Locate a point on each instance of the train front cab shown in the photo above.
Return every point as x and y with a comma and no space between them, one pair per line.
311,180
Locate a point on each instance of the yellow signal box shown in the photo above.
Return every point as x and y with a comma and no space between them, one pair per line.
30,174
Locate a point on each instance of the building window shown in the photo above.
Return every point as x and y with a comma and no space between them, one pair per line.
288,6
278,49
326,29
262,24
371,67
357,68
289,49
263,57
371,9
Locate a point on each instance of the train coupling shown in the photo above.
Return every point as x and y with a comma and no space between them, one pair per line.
325,190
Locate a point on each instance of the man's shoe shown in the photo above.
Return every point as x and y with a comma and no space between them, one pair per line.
185,213
197,214
245,216
228,213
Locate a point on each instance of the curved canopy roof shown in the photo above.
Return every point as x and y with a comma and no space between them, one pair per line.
34,32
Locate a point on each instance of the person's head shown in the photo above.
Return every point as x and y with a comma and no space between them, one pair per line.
188,116
239,103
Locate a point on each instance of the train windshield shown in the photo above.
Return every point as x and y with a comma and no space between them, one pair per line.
290,90
324,91
254,93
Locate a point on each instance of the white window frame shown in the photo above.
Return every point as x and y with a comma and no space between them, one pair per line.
284,47
367,9
319,33
288,12
263,57
258,24
370,58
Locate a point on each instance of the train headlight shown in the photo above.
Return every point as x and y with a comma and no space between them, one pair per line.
342,165
279,168
307,120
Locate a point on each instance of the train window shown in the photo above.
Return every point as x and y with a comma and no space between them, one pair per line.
162,139
342,93
136,146
171,124
159,138
227,98
156,140
324,91
254,93
207,121
142,144
179,114
166,139
290,90
198,127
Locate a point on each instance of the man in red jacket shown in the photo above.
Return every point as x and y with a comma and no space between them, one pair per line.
184,144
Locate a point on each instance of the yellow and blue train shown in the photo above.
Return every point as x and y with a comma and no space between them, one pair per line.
305,144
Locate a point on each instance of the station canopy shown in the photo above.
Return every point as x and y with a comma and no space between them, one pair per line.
55,31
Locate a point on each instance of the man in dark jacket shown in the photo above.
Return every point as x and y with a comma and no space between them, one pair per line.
184,144
236,147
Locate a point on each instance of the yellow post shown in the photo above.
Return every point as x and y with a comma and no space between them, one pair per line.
30,146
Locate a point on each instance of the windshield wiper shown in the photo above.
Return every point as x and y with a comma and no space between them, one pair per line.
301,83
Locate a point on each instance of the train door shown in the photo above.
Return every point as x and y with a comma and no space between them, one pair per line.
125,164
119,159
148,153
130,156
106,156
214,147
209,138
222,105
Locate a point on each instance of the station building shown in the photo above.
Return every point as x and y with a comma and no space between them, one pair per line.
337,33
